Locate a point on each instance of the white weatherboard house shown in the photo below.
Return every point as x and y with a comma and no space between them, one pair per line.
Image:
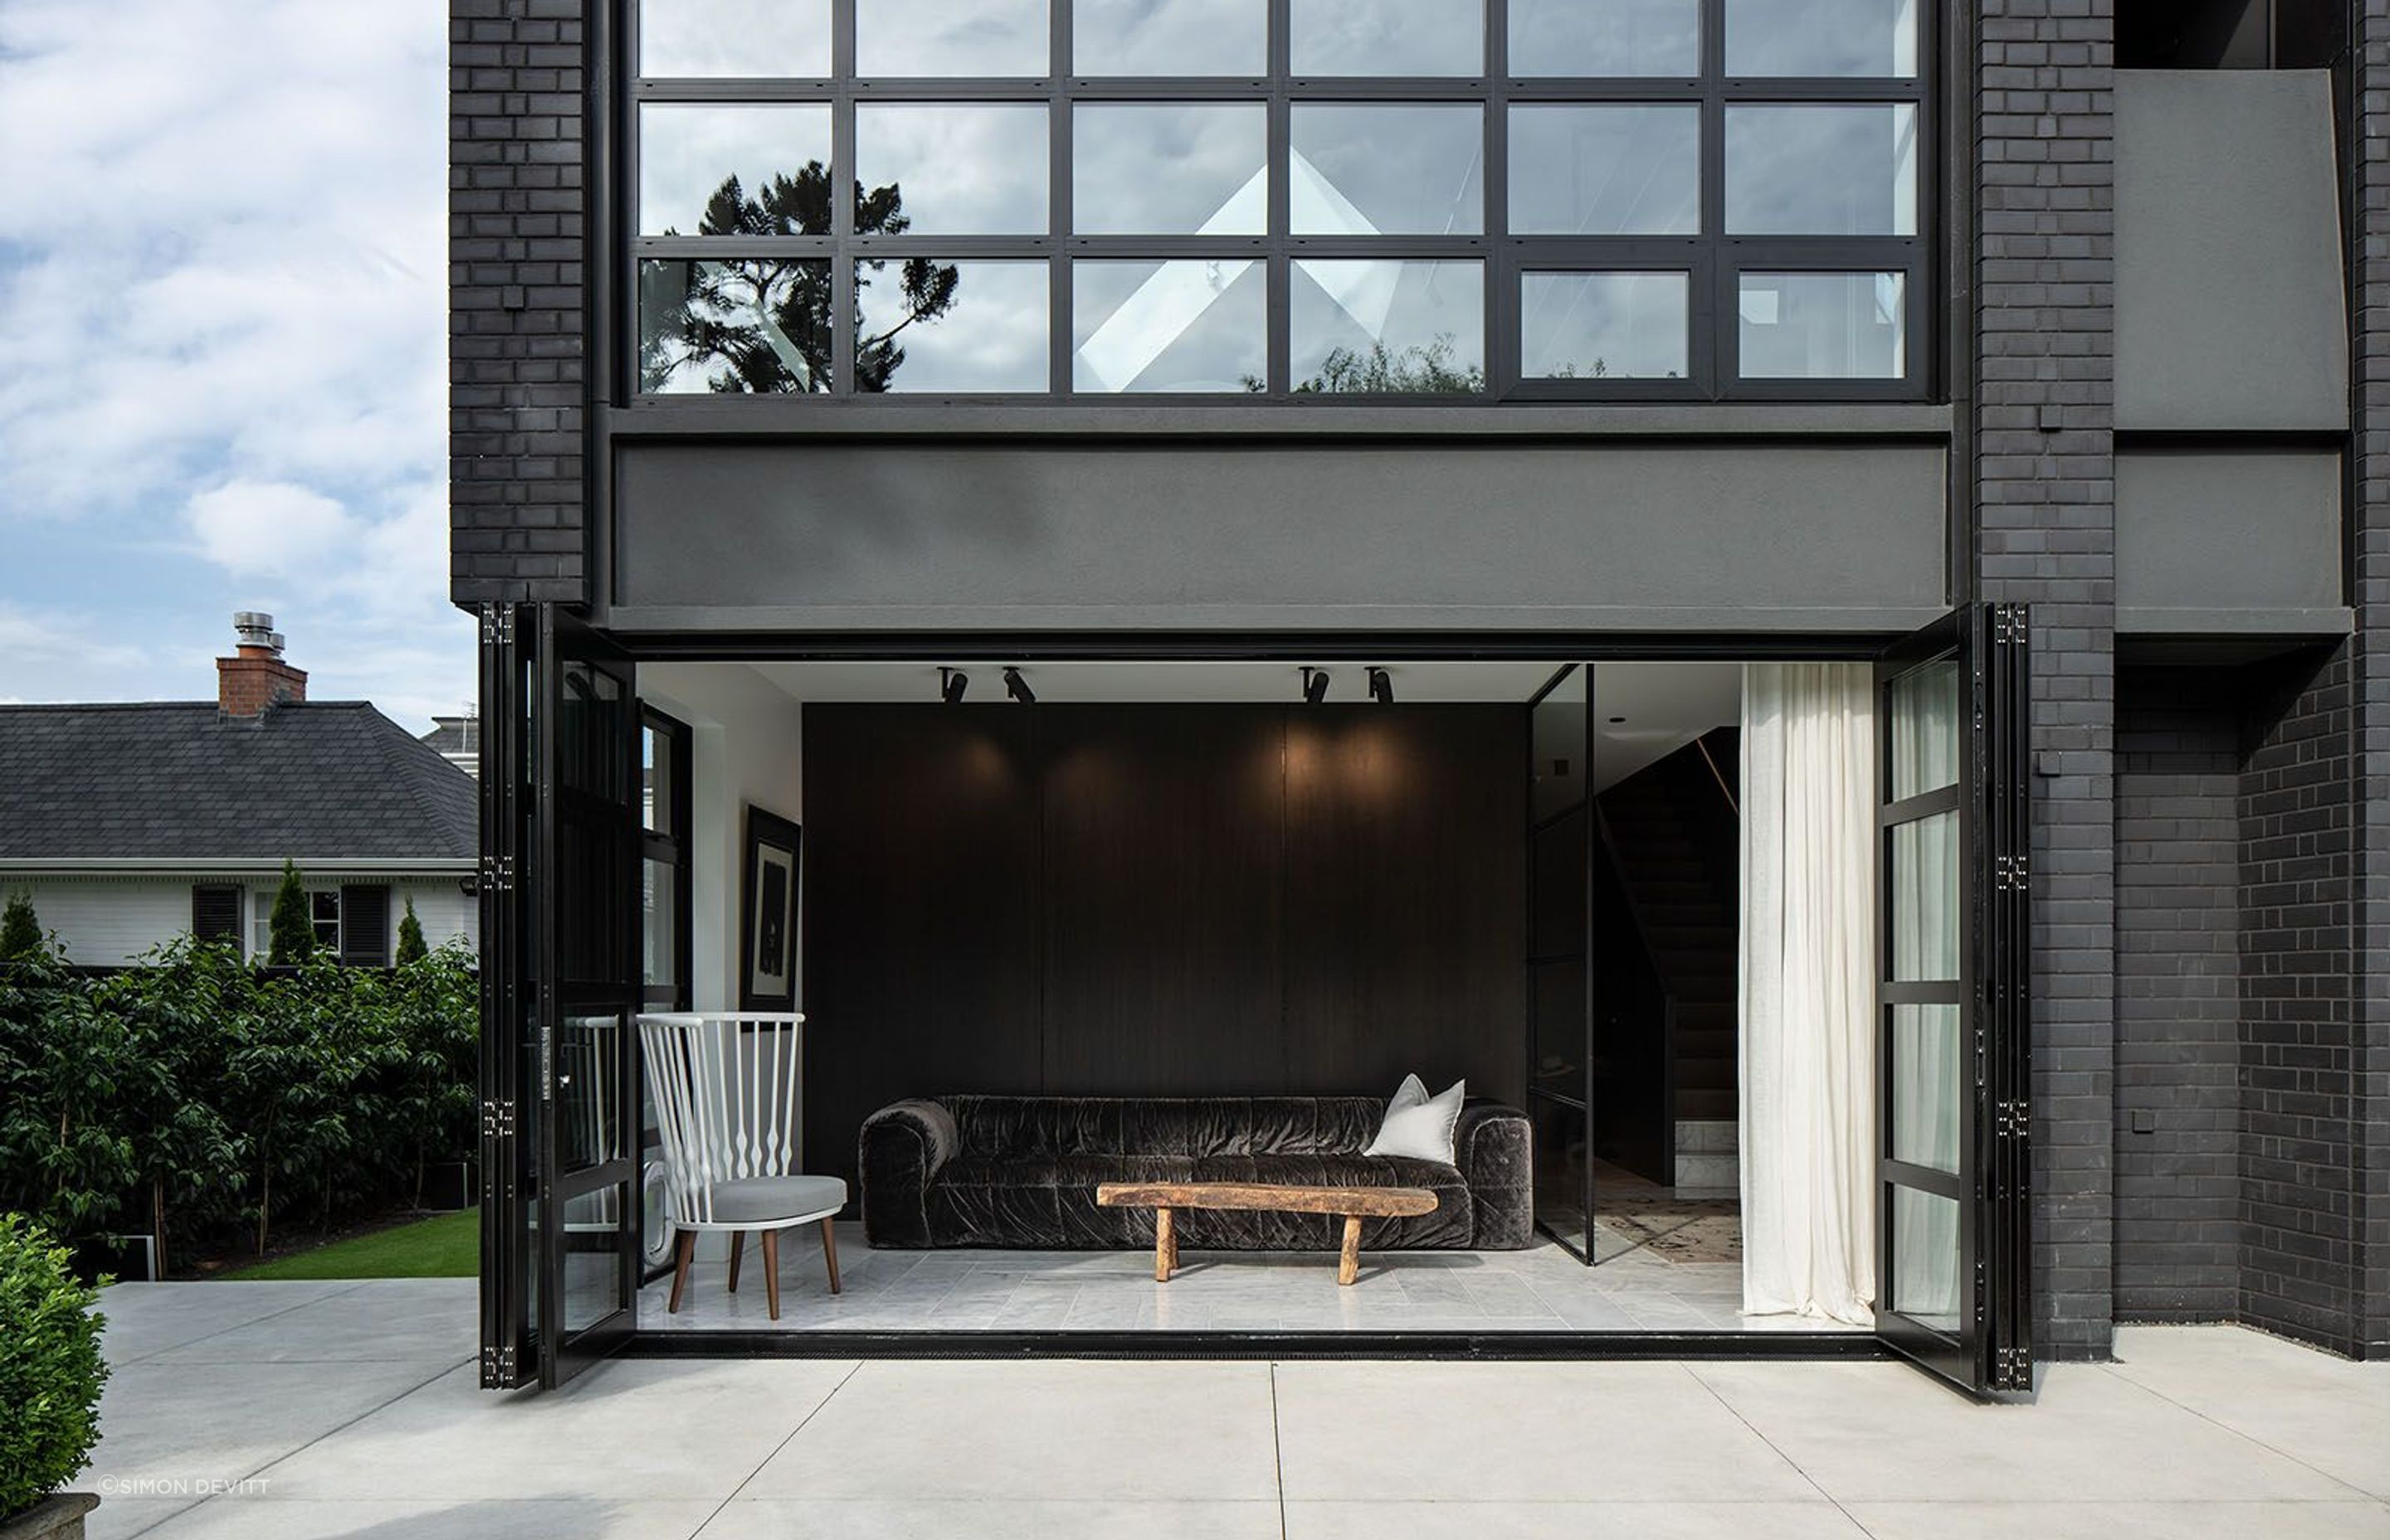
130,824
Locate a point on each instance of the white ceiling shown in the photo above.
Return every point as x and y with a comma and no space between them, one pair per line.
1665,706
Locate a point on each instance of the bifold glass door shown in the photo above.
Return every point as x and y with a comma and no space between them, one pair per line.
561,894
1560,956
1954,1273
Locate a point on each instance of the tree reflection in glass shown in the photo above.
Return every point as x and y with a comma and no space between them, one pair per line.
763,325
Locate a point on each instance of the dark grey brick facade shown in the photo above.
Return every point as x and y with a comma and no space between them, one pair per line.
2177,998
2370,652
2045,535
517,218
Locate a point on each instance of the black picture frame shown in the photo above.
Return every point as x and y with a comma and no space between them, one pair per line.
770,875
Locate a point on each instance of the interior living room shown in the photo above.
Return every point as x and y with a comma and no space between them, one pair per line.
1077,946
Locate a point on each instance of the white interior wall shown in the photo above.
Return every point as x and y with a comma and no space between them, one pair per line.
746,747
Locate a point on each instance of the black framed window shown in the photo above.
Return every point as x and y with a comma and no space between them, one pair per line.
1284,200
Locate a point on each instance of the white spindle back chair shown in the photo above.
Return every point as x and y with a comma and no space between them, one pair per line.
728,1100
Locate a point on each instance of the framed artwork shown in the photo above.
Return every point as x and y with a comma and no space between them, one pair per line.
767,973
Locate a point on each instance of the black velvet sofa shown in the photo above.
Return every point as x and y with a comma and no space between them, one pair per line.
1020,1171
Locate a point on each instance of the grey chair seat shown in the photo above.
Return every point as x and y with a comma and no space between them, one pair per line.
761,1200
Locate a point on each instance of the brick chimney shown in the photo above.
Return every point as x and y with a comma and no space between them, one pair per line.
255,677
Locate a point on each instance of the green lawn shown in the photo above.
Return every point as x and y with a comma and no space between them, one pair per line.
447,1246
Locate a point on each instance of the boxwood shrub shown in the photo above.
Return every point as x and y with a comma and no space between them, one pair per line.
50,1367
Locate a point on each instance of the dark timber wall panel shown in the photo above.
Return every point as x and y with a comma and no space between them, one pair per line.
1164,895
2047,536
517,322
1489,533
1159,900
2177,996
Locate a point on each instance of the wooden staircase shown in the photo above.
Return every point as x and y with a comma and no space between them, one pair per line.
1674,834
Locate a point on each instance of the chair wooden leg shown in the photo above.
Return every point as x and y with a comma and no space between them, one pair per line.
738,1246
772,1271
829,1253
687,1247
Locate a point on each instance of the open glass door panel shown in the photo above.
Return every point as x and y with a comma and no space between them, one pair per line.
1953,1271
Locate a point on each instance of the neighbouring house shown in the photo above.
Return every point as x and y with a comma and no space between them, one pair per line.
130,824
458,740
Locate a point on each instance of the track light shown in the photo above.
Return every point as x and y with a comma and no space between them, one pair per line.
1018,687
1315,686
952,681
1382,687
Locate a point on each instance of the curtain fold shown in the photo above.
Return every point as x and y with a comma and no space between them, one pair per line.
1807,991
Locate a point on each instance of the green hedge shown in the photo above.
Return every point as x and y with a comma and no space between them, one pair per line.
196,1093
51,1368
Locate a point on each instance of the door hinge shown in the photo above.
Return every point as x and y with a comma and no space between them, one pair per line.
2008,622
497,873
2011,1370
2012,874
497,625
497,1119
2012,1120
498,1368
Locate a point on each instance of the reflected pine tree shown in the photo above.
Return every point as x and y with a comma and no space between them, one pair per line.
764,325
1422,368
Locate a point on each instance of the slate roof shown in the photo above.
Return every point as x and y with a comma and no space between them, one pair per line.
178,780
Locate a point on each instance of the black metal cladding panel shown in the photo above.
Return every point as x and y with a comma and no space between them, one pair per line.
322,781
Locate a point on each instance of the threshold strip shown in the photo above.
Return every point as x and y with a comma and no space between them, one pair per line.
1488,1346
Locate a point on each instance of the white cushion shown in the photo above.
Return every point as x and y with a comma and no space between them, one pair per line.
762,1200
1418,1125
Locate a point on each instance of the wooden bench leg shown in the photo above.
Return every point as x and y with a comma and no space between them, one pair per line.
738,1245
1348,1266
1165,1245
687,1248
772,1271
830,1253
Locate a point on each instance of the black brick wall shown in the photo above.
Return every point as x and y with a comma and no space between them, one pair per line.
2371,654
2177,998
2045,534
518,206
2299,1032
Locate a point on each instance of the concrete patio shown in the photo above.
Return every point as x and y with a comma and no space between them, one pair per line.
266,1410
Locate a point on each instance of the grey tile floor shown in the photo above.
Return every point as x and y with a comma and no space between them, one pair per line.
1542,1288
301,1412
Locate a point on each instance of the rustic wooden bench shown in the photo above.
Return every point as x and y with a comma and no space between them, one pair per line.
1351,1204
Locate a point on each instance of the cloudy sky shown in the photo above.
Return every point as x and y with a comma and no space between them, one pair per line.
222,347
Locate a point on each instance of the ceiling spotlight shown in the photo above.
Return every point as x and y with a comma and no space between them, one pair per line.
1018,687
1315,686
952,681
1382,687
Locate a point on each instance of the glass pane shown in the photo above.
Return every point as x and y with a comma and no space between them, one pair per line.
1171,169
1557,997
1821,170
735,39
1391,170
1606,171
661,926
950,169
590,746
952,38
1925,729
956,326
1193,325
1388,37
1620,37
1824,325
1561,1155
755,325
1821,38
1560,774
588,1091
1605,325
657,789
1382,327
1924,1284
1170,37
1925,891
592,1257
1925,1062
734,170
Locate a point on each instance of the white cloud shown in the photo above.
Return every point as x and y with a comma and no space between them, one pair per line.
223,317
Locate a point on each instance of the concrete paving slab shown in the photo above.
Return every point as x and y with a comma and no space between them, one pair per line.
402,1319
145,1318
2064,1521
906,1518
1817,1520
432,1519
2320,1410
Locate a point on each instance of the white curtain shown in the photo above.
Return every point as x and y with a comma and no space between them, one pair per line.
1807,991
